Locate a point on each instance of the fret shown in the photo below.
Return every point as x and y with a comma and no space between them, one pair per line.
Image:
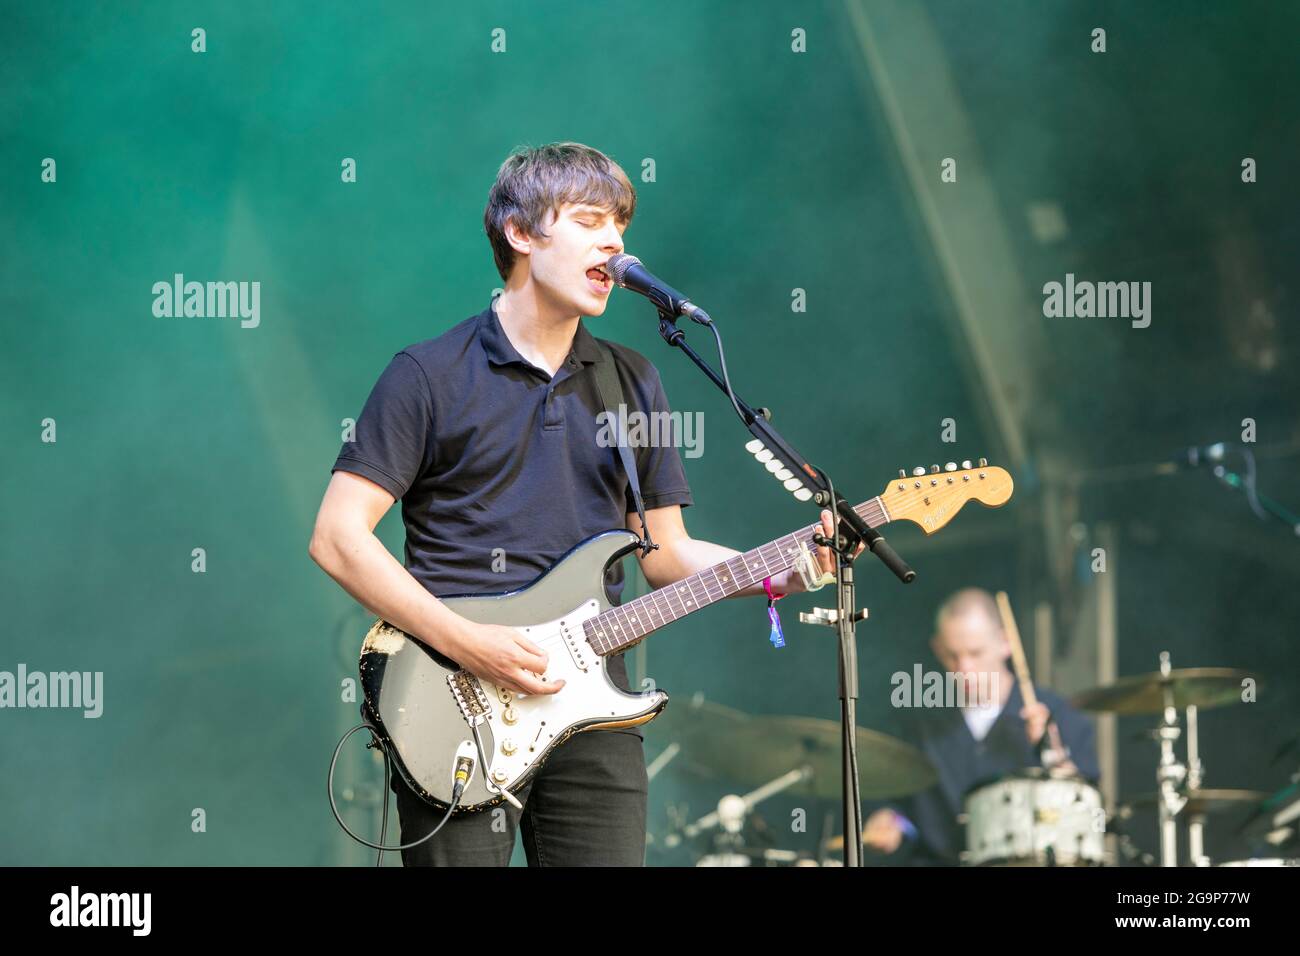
622,629
633,615
627,614
692,599
665,608
597,633
654,607
604,640
652,610
791,547
697,579
641,626
742,566
722,591
679,592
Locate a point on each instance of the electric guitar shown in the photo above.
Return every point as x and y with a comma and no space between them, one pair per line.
426,708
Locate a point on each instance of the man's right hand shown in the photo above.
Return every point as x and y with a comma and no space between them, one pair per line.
502,656
882,831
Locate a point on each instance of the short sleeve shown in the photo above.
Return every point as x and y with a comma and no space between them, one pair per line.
659,465
393,434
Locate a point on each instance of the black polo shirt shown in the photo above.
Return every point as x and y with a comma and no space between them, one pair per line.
496,462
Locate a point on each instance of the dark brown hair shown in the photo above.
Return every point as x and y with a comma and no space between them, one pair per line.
537,179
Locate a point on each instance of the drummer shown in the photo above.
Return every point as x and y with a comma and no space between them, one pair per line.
975,744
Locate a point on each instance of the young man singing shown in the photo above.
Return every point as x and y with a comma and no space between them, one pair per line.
488,436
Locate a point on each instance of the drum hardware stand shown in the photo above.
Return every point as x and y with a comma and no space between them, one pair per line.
732,809
1196,821
848,528
664,759
1170,773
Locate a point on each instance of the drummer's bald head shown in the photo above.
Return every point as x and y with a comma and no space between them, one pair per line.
968,601
968,637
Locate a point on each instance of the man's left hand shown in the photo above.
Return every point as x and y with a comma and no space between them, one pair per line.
825,556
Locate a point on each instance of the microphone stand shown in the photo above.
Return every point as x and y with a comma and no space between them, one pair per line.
844,546
1263,506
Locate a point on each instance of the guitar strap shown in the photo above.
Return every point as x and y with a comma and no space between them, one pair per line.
608,386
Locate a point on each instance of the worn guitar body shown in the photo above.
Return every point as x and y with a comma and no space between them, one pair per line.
422,702
425,707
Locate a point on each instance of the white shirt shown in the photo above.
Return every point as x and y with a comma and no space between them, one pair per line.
980,720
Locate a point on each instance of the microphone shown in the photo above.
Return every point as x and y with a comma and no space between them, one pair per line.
1199,455
1195,456
628,273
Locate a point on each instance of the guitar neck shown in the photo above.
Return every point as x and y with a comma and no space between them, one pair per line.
615,630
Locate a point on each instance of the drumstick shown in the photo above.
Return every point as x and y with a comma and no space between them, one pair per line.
1022,666
1017,650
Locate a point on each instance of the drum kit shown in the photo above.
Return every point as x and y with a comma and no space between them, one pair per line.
1180,794
1036,817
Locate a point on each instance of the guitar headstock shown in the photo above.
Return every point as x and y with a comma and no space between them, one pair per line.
931,497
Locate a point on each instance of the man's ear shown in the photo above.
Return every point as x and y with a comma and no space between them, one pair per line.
519,240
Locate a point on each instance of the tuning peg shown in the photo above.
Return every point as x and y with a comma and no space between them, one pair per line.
902,473
951,466
918,471
965,465
753,446
934,469
984,462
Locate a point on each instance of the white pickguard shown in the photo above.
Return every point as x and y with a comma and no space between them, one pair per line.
539,720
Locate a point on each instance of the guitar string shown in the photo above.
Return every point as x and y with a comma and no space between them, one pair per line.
870,511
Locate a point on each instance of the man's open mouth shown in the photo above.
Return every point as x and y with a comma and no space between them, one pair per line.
599,280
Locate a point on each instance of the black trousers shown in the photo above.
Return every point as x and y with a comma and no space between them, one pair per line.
585,807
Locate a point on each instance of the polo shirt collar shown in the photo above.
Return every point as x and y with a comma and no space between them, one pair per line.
501,352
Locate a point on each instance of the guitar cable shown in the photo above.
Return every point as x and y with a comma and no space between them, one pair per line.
377,741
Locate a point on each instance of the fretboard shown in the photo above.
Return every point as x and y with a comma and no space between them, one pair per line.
618,628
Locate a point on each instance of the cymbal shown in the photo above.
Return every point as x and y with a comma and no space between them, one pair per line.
694,719
750,751
1144,693
1203,801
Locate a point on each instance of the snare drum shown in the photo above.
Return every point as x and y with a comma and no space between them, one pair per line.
1035,819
